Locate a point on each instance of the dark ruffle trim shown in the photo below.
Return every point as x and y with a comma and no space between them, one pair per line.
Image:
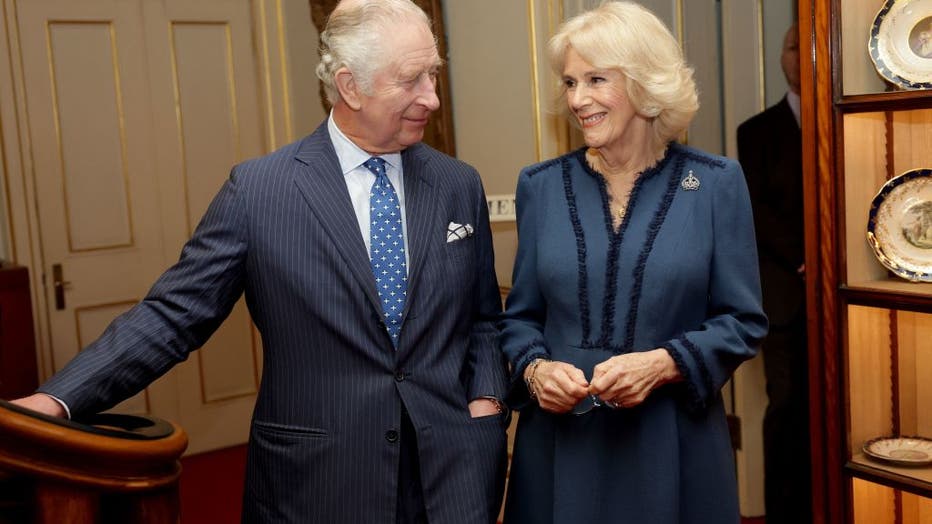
535,349
582,286
694,401
615,240
697,402
653,230
537,168
699,157
703,369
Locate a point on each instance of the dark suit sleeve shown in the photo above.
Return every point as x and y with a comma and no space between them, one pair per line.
184,307
485,366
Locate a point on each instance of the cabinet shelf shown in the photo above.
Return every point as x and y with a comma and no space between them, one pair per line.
914,480
890,294
889,101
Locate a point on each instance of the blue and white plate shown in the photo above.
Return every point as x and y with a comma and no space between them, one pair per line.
899,225
900,43
902,451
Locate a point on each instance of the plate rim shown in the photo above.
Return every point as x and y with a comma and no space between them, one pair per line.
900,462
885,190
880,66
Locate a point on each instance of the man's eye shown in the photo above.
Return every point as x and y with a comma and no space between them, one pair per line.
569,83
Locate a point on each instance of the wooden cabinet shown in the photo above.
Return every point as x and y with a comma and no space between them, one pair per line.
871,332
18,373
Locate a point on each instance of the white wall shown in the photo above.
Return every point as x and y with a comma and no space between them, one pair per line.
301,42
14,242
492,91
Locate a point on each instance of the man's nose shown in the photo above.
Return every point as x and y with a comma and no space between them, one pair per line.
427,95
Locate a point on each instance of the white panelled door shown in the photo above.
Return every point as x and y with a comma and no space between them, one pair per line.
136,111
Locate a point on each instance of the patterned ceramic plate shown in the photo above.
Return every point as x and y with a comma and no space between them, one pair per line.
899,226
902,451
900,43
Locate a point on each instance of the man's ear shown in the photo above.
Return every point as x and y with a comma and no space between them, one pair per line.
348,88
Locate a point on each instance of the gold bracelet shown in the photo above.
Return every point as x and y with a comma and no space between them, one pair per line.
532,373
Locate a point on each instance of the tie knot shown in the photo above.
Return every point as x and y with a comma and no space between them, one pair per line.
376,165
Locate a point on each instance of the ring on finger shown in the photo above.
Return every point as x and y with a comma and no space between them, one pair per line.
612,404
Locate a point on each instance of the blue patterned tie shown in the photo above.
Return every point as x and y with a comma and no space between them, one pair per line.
387,247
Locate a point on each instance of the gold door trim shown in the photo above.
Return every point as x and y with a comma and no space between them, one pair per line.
115,64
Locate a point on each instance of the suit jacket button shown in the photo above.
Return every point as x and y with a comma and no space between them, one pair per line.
399,376
391,436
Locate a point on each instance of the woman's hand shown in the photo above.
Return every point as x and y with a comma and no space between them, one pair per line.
558,386
626,380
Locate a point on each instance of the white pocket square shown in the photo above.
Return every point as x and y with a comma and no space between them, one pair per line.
458,231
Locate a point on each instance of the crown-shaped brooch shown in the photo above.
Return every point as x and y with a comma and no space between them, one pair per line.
690,183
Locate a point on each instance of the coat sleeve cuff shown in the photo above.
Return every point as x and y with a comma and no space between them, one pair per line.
697,381
518,395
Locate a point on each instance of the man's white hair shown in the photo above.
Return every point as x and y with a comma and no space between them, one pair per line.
352,39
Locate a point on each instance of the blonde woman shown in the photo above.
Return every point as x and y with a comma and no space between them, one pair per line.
635,294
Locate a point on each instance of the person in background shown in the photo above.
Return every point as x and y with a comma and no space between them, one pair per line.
635,294
770,152
366,261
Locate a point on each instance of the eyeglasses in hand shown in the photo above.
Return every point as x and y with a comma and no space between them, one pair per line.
591,402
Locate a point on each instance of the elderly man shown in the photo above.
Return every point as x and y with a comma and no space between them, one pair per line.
366,259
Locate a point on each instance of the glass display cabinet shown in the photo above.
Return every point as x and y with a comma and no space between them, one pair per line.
870,347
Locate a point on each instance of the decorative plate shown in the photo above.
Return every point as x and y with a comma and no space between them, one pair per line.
900,43
899,225
902,451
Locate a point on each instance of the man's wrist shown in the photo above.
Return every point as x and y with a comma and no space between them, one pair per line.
499,405
45,404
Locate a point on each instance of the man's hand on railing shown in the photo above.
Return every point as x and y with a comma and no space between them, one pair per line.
42,403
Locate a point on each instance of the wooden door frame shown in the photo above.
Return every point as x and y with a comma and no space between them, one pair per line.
19,178
818,35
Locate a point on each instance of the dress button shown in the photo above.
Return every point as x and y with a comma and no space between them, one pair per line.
399,376
391,436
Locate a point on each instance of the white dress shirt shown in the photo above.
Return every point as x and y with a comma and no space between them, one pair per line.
793,99
359,181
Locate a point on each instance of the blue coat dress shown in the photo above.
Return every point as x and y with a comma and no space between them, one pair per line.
680,273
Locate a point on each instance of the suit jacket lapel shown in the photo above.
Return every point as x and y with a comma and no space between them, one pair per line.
420,214
323,186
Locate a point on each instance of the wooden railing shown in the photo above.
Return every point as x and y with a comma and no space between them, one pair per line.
103,469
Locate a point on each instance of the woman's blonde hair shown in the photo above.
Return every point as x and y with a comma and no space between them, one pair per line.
626,37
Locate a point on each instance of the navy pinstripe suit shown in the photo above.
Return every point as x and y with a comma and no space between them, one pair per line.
322,446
